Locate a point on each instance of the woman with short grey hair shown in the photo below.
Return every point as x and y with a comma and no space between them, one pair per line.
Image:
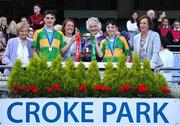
94,26
96,21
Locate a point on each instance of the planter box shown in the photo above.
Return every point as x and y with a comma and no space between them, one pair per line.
90,111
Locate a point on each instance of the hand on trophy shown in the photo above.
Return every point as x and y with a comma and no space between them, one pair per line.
73,53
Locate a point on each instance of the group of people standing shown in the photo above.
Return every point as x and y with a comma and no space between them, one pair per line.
151,36
99,47
110,46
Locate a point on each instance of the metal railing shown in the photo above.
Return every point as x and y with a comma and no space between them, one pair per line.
172,74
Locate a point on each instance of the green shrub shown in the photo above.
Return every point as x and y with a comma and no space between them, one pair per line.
41,80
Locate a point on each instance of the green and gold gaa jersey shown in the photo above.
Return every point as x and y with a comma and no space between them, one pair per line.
40,41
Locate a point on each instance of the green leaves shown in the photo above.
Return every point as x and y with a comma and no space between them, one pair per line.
109,75
41,80
69,79
18,75
81,73
93,74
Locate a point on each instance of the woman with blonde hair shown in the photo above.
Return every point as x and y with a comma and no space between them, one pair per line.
12,33
19,47
58,27
30,33
4,26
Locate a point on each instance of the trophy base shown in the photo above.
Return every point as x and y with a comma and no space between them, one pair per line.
85,54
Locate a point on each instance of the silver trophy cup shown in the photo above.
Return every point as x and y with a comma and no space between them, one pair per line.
86,36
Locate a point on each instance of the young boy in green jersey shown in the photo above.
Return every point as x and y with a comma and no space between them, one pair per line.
47,41
113,46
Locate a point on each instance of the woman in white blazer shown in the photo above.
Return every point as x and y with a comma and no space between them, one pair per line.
147,43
